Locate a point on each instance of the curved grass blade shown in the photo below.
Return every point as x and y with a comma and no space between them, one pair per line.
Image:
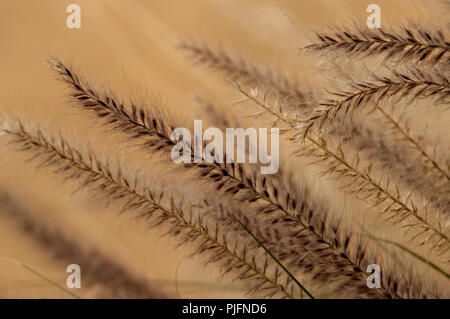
274,258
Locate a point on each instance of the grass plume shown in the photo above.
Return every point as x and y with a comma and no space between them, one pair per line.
183,220
404,43
395,284
409,85
282,118
310,255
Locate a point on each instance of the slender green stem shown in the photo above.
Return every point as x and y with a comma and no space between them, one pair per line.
274,258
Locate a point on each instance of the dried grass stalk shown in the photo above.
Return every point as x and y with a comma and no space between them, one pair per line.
407,43
403,285
203,227
307,254
406,85
411,86
323,223
378,192
394,157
